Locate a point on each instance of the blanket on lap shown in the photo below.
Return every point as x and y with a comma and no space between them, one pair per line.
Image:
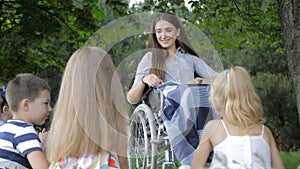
186,110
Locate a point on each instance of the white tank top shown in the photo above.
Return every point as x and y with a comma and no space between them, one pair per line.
242,152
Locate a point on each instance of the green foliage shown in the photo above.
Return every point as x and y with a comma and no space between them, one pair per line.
279,103
232,23
127,55
175,6
113,9
39,36
274,90
42,34
290,159
258,59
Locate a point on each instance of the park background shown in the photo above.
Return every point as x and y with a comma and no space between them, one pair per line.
38,36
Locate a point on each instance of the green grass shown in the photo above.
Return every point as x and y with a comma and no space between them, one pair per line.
290,159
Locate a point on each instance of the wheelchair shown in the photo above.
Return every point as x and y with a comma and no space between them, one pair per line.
148,143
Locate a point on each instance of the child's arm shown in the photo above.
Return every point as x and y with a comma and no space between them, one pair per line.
201,155
31,148
38,160
123,162
203,149
276,161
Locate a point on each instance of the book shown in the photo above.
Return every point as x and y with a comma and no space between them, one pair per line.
168,83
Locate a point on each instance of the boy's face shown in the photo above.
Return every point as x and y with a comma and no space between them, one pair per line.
38,110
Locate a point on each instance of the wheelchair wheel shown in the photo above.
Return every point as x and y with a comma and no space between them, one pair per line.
142,143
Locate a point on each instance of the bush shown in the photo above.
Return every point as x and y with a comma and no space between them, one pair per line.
279,104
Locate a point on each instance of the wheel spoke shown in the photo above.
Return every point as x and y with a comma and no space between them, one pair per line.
145,149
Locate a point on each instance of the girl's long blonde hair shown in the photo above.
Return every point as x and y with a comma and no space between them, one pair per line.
90,113
235,95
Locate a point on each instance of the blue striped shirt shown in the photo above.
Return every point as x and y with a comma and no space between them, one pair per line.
17,140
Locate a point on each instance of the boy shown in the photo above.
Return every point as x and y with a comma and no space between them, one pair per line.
28,98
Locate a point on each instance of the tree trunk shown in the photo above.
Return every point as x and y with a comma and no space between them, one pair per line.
289,13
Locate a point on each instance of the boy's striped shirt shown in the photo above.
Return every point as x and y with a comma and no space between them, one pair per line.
17,139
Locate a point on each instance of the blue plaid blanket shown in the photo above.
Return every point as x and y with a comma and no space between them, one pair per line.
186,110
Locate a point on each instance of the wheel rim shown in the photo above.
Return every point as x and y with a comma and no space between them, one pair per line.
146,150
138,141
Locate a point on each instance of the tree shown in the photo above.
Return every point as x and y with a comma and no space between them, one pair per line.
289,12
39,36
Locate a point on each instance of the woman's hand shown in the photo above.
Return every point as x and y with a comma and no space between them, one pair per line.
199,80
152,80
134,95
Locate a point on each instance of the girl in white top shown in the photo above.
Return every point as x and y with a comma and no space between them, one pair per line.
239,140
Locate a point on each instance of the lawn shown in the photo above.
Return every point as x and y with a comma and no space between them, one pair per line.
290,159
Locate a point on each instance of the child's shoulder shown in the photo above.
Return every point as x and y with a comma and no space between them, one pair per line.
212,131
268,134
18,128
213,123
20,124
211,126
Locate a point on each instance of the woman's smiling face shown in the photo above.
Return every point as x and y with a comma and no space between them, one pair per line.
166,34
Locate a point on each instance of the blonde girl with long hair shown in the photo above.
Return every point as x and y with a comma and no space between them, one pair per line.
88,127
239,139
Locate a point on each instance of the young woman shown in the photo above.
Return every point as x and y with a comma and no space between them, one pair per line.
239,140
172,58
88,126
